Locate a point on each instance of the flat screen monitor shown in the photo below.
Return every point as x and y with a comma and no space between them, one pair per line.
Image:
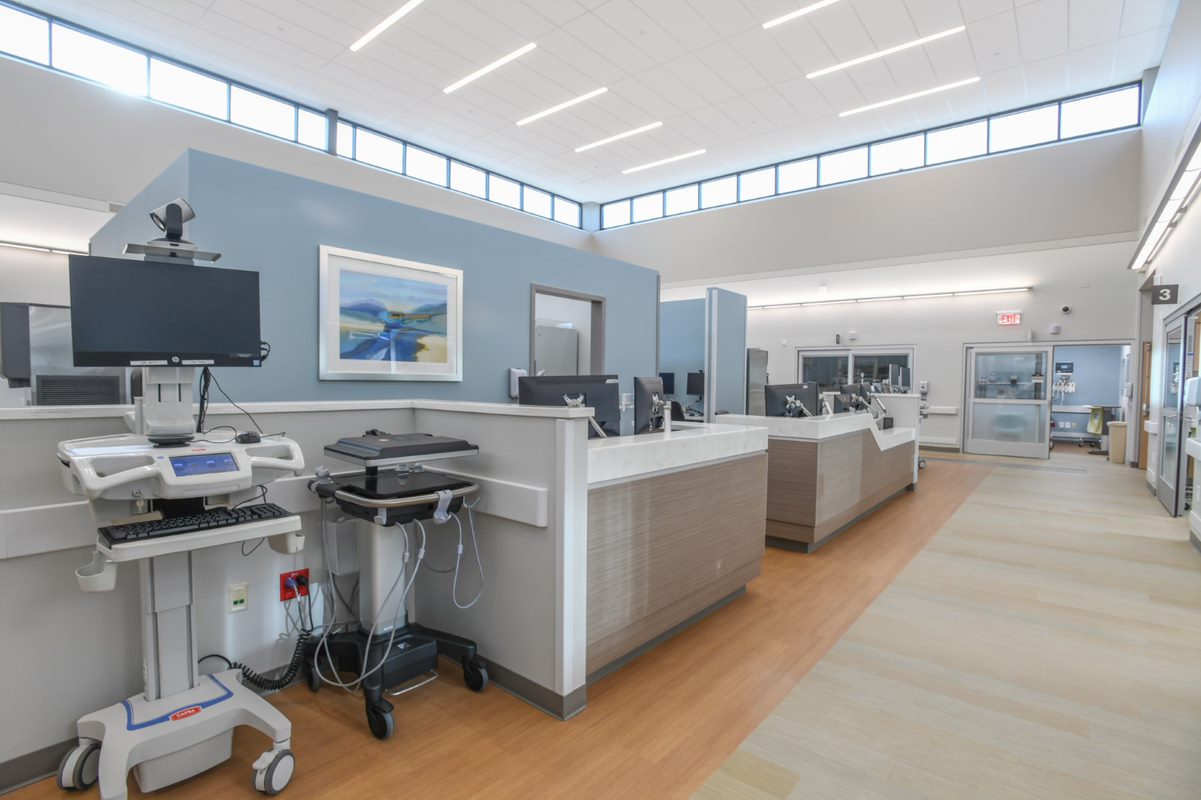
127,313
696,384
856,389
792,400
598,392
648,391
669,382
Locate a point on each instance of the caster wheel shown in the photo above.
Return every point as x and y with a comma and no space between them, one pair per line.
273,771
475,675
381,724
80,767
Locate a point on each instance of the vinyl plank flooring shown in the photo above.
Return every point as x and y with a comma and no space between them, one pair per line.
657,728
1045,644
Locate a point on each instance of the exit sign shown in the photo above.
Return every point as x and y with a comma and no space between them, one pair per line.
1009,317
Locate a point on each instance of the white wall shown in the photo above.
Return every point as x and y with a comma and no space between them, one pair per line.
33,276
1088,278
1048,194
569,312
83,140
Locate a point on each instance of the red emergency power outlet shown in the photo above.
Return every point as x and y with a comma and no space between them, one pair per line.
299,586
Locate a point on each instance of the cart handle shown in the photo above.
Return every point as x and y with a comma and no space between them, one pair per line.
400,502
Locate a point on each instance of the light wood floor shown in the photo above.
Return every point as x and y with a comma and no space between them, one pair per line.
655,729
1046,644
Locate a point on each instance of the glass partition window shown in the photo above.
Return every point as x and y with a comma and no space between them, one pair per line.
1011,376
1100,112
187,89
24,35
959,142
873,367
828,370
1023,129
45,39
1009,422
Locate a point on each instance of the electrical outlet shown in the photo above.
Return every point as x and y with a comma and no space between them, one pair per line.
238,594
299,587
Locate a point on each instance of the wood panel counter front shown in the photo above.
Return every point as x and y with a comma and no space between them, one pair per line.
826,472
670,542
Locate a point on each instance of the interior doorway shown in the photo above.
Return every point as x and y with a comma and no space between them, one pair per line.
567,332
1008,402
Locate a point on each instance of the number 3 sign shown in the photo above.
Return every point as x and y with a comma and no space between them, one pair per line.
1165,294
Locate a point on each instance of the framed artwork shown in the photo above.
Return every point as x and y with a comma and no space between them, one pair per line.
388,319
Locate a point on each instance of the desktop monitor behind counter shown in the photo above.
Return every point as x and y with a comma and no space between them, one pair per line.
598,392
792,400
669,382
696,384
650,405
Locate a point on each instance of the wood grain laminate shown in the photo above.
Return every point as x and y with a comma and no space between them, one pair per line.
1044,646
815,489
664,548
656,728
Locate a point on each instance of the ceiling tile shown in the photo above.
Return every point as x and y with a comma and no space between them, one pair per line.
1043,29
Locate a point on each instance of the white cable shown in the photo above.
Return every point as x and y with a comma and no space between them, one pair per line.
454,586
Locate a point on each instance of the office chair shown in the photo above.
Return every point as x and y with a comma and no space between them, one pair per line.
677,411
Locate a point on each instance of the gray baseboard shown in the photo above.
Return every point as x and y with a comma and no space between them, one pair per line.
1192,537
538,696
32,767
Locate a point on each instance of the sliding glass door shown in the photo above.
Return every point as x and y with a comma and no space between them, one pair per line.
1009,407
1170,426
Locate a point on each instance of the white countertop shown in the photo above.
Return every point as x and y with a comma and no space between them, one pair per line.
814,429
217,409
689,444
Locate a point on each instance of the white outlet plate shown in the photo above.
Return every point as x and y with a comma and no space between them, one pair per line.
238,596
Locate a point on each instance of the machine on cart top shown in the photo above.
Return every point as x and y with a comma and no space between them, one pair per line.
379,449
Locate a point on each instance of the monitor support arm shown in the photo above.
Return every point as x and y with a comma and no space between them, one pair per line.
578,402
163,414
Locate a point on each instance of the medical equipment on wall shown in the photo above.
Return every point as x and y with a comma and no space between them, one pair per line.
395,495
156,496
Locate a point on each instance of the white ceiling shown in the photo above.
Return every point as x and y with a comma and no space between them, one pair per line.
706,68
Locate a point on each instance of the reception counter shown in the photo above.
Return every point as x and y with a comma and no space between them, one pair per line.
676,525
824,473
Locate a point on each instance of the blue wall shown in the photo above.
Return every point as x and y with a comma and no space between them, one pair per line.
682,342
1098,382
273,222
731,352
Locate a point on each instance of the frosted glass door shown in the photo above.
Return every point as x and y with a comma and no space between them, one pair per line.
1170,427
1008,404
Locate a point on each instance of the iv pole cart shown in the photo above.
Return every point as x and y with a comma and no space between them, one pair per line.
157,495
394,490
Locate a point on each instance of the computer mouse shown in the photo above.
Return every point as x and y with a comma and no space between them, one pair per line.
249,437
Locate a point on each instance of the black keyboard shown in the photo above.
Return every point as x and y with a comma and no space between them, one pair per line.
214,518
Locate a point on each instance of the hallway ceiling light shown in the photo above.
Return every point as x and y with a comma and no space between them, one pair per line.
924,296
887,52
661,162
482,71
800,12
388,22
43,248
561,106
907,97
620,136
1179,198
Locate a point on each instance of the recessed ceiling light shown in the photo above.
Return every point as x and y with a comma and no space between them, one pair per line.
662,161
388,22
562,106
800,12
887,52
620,136
482,71
945,87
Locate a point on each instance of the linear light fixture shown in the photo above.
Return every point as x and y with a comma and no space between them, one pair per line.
482,71
923,296
561,106
661,162
1180,197
388,22
887,52
915,95
800,12
620,136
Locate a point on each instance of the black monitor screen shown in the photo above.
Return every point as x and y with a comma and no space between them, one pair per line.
147,313
792,400
669,382
598,392
696,383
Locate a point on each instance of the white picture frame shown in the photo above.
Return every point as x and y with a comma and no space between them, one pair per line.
388,319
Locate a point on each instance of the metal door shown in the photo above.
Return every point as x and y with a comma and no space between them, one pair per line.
1008,402
756,379
556,350
1171,428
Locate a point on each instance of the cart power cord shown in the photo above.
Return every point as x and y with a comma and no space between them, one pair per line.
263,682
